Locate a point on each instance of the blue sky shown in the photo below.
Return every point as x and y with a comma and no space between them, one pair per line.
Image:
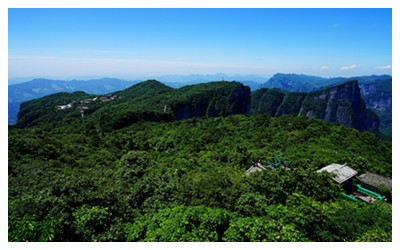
62,43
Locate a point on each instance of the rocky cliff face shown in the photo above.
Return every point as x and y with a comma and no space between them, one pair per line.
185,111
376,91
241,100
339,104
383,103
213,103
378,94
342,104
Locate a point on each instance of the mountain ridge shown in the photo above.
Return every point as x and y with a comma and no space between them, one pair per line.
375,89
39,87
146,100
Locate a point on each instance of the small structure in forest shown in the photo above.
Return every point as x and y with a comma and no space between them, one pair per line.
342,173
255,168
63,107
276,161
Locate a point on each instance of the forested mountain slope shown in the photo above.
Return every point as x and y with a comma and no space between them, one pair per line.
148,100
37,88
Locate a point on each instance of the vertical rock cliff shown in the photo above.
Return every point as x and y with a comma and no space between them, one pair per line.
211,100
339,104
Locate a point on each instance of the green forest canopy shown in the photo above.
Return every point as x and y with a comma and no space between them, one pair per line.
73,180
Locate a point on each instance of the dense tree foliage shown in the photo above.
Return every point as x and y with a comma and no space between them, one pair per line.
79,180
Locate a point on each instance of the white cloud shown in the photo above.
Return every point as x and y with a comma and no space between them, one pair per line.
324,67
384,67
349,67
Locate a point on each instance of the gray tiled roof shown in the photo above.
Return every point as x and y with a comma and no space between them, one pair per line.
343,172
375,180
255,168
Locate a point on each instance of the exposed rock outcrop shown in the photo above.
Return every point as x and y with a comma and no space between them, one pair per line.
342,104
339,104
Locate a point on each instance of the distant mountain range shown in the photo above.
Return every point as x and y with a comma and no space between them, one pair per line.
307,83
375,90
181,80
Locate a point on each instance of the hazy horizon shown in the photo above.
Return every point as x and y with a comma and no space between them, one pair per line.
178,78
65,43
